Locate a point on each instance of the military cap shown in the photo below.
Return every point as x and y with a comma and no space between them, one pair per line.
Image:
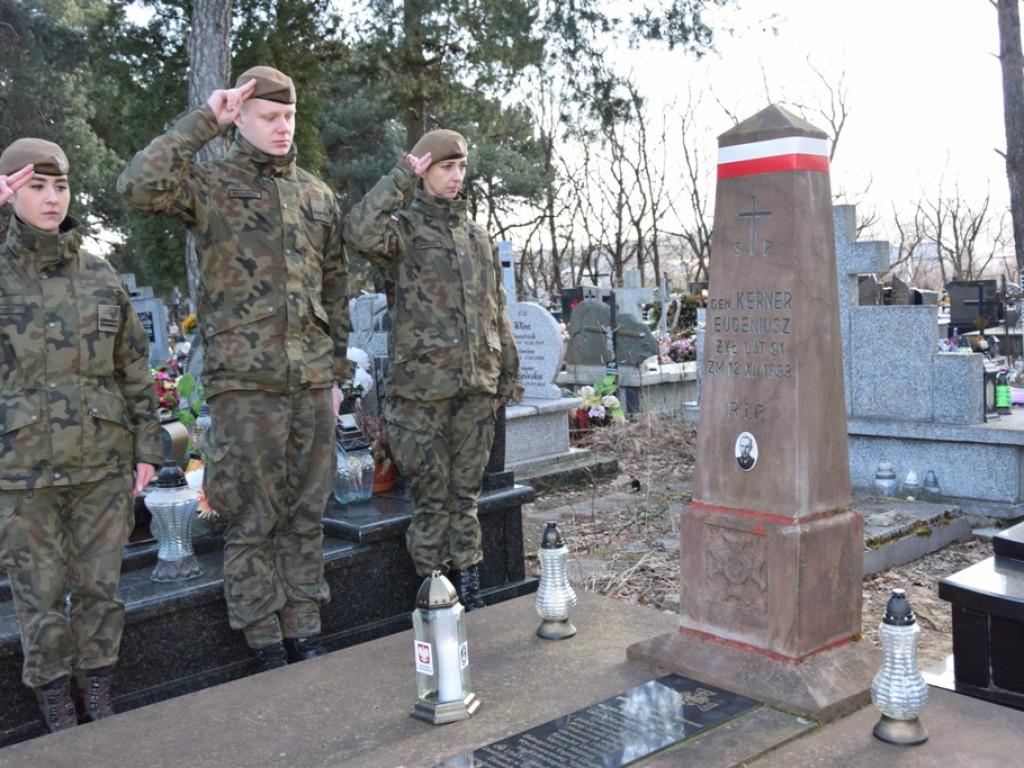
48,158
270,84
442,145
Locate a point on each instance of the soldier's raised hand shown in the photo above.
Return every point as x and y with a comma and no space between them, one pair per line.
10,184
227,103
419,164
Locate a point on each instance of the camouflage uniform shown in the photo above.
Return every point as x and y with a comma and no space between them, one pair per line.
77,412
452,353
273,315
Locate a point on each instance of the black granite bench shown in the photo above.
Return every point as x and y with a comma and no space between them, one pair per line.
988,622
177,637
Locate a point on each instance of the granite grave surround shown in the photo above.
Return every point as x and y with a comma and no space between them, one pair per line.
653,387
177,639
987,601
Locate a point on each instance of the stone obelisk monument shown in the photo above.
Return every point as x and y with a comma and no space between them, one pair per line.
770,600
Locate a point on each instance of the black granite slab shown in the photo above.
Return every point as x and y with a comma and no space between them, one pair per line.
993,586
617,731
988,622
1010,543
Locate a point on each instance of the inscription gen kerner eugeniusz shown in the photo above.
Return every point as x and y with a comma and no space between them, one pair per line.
763,314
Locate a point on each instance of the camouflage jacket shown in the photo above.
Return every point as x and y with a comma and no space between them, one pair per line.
77,402
450,332
273,294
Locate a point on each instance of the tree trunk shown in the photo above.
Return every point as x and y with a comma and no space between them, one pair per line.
1011,60
209,59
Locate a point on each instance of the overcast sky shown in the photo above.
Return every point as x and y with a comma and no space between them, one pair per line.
922,81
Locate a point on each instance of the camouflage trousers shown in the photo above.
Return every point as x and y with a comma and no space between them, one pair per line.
62,545
442,447
270,467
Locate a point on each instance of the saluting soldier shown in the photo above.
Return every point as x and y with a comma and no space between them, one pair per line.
77,418
273,317
453,358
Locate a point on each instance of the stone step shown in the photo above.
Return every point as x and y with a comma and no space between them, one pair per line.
897,531
578,468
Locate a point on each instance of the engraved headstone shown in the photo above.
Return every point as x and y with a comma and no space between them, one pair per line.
153,314
771,556
541,349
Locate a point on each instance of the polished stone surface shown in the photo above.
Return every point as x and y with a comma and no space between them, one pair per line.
988,622
617,731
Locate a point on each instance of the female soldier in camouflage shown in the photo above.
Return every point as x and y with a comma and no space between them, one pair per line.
77,416
453,358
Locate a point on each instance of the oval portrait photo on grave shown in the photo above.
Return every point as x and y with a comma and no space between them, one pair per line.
746,451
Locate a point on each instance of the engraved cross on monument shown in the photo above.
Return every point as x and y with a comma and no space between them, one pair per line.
771,562
753,214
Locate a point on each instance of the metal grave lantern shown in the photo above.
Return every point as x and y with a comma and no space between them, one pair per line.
555,600
899,690
173,506
442,654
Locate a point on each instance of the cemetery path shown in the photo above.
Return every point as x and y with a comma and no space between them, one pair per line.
623,534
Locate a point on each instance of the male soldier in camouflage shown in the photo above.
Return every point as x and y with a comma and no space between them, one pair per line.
273,316
453,358
77,416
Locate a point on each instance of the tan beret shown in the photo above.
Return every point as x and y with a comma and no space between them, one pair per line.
442,145
48,158
270,84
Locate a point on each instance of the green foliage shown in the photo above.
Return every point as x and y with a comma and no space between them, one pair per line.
191,399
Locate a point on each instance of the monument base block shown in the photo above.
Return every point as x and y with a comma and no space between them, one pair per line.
788,586
824,686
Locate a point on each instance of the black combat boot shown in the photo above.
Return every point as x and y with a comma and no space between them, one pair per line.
270,657
92,694
467,584
56,705
303,648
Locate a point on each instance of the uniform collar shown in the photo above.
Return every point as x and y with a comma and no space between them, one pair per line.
441,207
44,249
263,162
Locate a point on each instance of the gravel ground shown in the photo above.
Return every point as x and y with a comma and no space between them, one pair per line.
623,534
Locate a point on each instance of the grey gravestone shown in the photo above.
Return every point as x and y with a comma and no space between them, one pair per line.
591,321
371,324
631,297
541,349
153,314
900,294
508,270
869,291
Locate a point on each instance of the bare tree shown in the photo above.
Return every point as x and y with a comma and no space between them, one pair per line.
966,239
209,58
1011,59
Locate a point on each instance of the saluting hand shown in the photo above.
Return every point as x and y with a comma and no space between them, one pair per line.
227,103
419,164
10,184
